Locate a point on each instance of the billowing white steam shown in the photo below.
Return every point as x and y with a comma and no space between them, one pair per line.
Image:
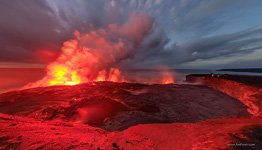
84,58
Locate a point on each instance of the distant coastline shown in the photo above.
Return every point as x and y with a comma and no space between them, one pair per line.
252,70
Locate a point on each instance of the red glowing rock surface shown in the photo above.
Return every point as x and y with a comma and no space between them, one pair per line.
27,133
247,89
108,115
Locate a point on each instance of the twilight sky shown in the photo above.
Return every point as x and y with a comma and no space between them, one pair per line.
185,33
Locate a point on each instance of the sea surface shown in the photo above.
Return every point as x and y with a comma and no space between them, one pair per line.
178,74
15,78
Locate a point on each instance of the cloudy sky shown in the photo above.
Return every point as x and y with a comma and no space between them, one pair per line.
185,33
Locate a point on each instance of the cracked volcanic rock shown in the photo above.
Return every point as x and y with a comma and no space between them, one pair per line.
117,106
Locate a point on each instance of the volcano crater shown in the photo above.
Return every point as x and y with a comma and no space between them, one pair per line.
117,106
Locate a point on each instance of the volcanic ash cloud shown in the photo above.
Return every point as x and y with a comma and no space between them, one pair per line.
92,56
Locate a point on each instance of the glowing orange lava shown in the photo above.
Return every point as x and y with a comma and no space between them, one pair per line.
63,76
167,78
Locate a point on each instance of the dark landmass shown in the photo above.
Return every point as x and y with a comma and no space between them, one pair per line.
253,70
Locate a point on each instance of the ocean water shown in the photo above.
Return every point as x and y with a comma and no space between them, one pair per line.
15,78
179,75
239,73
155,76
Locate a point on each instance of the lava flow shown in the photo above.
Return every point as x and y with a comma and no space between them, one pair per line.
92,56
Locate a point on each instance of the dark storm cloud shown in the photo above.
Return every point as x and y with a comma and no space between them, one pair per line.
223,45
24,27
193,22
184,31
228,45
31,25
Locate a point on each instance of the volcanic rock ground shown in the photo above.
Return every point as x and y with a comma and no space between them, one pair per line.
106,115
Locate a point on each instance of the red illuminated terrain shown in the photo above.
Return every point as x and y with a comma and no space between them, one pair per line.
28,133
110,74
107,115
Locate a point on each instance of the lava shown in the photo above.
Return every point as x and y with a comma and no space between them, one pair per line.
167,78
63,76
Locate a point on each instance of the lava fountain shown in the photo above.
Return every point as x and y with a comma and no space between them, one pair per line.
92,56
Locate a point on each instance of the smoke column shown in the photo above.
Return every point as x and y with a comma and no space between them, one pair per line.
91,56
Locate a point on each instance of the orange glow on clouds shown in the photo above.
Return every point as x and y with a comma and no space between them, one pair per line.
91,56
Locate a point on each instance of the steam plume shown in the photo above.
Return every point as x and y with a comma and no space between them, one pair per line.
91,56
